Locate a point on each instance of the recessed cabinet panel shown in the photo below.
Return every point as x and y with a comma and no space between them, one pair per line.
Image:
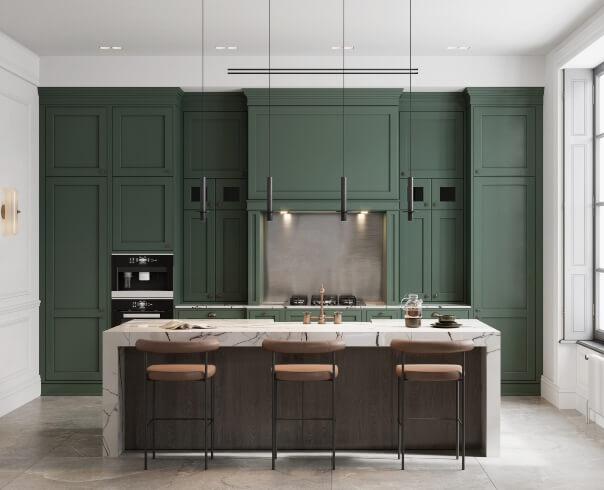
437,144
143,141
212,313
231,255
143,216
275,314
448,256
503,141
348,315
199,252
382,314
192,195
215,144
415,254
422,192
231,194
447,194
76,141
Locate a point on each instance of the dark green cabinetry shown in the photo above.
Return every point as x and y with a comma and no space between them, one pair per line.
381,314
143,141
220,194
276,314
212,313
143,213
415,254
75,141
215,256
448,251
76,272
433,194
348,315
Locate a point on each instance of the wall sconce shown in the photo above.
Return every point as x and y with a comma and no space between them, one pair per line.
9,211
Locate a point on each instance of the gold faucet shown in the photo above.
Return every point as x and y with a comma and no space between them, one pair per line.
337,316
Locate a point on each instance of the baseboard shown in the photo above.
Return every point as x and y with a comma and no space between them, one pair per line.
26,392
580,403
562,399
72,389
520,389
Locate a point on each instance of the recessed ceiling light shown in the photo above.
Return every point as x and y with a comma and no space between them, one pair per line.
348,47
463,48
220,48
335,48
104,48
231,48
116,48
451,48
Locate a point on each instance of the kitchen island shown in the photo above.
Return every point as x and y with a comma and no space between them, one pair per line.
366,388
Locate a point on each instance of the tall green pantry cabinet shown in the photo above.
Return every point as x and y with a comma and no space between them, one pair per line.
506,168
110,176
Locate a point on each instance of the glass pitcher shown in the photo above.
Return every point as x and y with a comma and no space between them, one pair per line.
413,310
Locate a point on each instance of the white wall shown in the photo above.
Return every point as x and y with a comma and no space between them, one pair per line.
558,384
436,72
19,271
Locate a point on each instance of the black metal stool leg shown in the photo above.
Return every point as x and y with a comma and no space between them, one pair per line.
212,418
274,422
205,423
153,417
146,419
333,417
457,420
463,411
398,416
403,421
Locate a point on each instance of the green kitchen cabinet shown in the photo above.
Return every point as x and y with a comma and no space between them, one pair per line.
447,194
436,147
460,313
348,315
231,255
504,266
276,314
143,213
215,144
447,256
143,141
307,152
221,194
415,262
211,313
215,257
199,271
76,277
76,141
503,141
422,194
381,314
192,196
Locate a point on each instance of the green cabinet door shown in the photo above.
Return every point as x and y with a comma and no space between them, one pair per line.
143,213
381,314
437,144
297,315
76,141
306,152
422,194
415,254
192,196
503,141
503,269
143,141
231,194
199,253
215,144
76,262
231,256
447,194
276,314
212,313
448,254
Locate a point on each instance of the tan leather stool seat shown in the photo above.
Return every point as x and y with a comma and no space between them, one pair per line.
304,372
430,372
179,372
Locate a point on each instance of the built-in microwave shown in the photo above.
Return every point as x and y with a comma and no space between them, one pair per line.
140,276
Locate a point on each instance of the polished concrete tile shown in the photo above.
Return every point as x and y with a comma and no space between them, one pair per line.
55,443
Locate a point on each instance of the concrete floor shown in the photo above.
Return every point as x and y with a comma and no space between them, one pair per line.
55,442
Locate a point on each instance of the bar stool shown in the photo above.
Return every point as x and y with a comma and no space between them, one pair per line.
180,372
432,373
304,373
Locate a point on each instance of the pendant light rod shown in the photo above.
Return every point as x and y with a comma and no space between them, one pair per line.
269,179
410,209
343,182
203,211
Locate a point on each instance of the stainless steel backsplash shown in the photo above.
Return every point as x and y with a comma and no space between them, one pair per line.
303,250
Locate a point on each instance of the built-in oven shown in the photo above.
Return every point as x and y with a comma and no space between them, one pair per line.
141,286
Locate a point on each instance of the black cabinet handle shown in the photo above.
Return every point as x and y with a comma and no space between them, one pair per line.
436,295
203,211
212,314
410,209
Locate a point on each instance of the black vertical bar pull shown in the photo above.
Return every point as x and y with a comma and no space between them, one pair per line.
269,199
410,209
203,210
343,199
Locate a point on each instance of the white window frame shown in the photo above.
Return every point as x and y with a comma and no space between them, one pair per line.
598,200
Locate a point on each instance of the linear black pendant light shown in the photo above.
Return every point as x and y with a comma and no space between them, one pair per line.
269,179
343,183
203,210
410,209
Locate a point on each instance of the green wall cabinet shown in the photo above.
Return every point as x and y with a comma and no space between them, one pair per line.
215,257
143,213
223,151
504,265
143,141
437,144
211,313
503,141
276,314
220,194
415,254
76,277
433,194
76,142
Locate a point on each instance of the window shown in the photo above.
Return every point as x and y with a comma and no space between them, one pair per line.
599,199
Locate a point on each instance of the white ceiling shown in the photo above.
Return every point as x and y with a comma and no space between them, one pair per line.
298,27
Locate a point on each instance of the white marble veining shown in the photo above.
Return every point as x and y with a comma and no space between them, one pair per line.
251,333
284,306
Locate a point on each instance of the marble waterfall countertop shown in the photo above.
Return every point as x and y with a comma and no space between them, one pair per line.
251,333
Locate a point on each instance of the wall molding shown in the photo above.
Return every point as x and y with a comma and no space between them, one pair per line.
28,390
561,399
27,305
